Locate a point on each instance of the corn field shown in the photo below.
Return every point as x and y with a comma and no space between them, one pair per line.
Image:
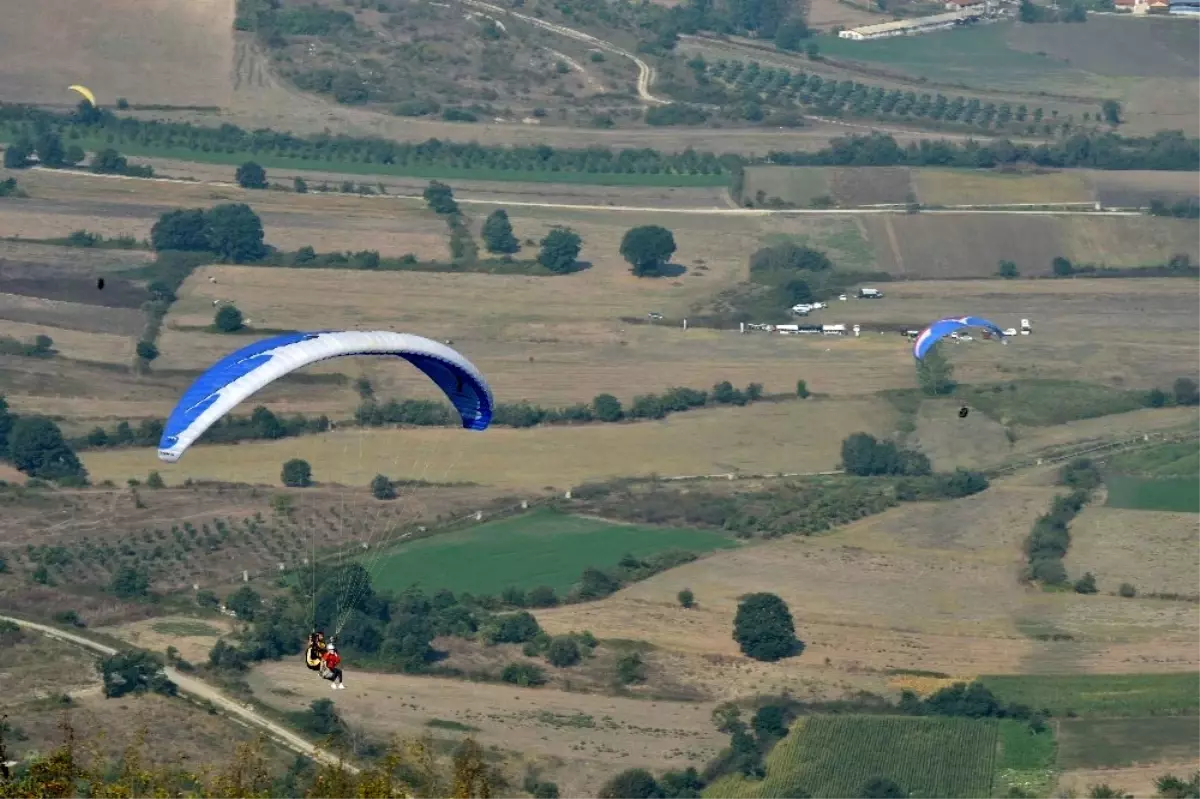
837,755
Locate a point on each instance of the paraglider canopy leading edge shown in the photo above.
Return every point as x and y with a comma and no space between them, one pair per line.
85,91
944,327
237,376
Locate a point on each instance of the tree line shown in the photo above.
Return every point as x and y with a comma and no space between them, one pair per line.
1166,150
755,86
1048,541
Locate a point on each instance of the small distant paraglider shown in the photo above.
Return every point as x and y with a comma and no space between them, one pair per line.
100,284
963,411
85,91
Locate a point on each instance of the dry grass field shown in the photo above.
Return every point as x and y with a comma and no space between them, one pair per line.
959,187
1155,551
577,740
764,438
148,51
1140,780
931,587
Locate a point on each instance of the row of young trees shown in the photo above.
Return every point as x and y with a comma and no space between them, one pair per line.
1169,150
828,97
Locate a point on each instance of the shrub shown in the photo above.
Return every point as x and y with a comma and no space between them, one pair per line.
133,672
686,598
1127,590
154,480
228,319
527,675
382,488
631,668
251,176
1086,584
563,651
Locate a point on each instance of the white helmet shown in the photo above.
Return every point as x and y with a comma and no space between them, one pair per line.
331,647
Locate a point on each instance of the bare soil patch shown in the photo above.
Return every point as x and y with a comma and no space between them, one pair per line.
868,186
1138,188
145,634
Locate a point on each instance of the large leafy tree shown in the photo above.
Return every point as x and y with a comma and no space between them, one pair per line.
251,176
935,374
440,198
185,229
764,629
133,672
498,233
560,250
36,446
647,249
235,233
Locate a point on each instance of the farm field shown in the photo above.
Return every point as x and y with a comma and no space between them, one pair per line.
1178,494
1154,551
1102,695
200,536
836,755
700,442
577,740
1178,459
1120,743
540,548
1024,759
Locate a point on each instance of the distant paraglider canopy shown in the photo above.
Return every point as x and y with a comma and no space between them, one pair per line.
85,91
944,327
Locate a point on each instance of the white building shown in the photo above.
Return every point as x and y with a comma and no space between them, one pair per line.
906,27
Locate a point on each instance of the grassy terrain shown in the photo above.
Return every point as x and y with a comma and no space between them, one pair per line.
1180,494
1117,743
540,548
1174,459
1024,759
836,756
1111,695
1043,403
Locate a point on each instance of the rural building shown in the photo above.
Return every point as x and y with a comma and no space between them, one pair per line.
965,5
907,27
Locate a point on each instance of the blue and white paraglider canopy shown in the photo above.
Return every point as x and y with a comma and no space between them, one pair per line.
237,376
944,327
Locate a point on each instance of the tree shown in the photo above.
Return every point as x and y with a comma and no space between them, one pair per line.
631,668
686,598
882,788
935,374
647,249
382,488
813,51
16,155
1156,398
607,408
1186,391
1127,590
560,250
133,672
36,447
235,233
802,389
1112,112
50,150
245,602
1062,267
440,198
788,257
764,629
300,185
634,783
251,176
228,319
498,233
109,162
154,480
1008,270
1086,584
296,474
542,596
791,33
146,350
563,651
7,419
185,229
769,723
129,582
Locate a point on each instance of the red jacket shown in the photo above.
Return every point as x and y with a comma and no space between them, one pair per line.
332,659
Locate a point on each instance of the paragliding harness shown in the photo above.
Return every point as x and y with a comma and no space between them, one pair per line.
314,654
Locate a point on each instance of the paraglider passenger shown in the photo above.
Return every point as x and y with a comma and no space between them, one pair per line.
330,670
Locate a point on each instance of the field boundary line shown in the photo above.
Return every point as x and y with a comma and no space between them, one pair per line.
199,689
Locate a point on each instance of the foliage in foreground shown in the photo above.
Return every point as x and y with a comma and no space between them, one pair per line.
406,768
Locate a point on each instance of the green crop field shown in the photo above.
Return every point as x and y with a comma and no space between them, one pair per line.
1024,759
837,755
1041,403
539,548
1175,459
1118,743
1179,494
973,53
1102,694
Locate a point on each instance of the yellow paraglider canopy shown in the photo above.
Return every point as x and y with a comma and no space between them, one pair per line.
85,91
